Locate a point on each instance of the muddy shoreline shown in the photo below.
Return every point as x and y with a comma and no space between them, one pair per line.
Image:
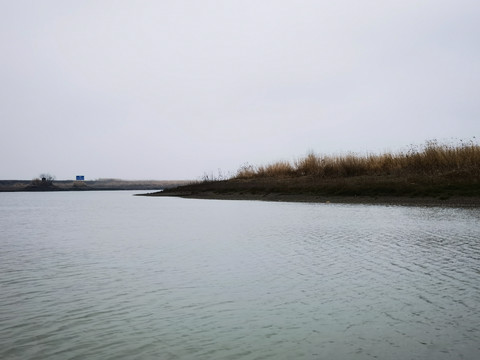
456,201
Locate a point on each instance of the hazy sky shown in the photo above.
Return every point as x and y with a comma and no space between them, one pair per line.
162,89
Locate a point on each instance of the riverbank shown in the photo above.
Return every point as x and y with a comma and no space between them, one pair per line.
433,174
355,190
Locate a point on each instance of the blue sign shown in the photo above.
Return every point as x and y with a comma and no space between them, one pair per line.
80,178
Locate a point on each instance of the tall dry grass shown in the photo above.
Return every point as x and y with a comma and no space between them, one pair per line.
432,158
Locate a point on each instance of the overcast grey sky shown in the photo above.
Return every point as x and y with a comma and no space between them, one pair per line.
175,89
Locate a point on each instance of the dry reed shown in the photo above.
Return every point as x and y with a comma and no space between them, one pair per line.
431,159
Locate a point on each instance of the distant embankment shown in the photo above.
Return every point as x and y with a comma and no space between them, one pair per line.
101,184
433,173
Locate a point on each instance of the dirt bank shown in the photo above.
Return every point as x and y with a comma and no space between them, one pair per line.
364,190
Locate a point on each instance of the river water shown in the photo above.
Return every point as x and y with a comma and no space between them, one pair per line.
108,275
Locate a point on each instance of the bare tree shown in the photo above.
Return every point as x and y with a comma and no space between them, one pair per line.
48,177
44,179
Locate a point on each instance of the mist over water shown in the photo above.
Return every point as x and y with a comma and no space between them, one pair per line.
106,275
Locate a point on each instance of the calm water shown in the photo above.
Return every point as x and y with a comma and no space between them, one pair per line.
106,275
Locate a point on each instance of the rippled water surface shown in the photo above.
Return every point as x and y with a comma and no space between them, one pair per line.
107,275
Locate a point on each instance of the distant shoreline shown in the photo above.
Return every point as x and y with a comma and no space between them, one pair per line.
89,185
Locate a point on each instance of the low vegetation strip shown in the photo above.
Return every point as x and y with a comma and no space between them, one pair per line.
434,170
